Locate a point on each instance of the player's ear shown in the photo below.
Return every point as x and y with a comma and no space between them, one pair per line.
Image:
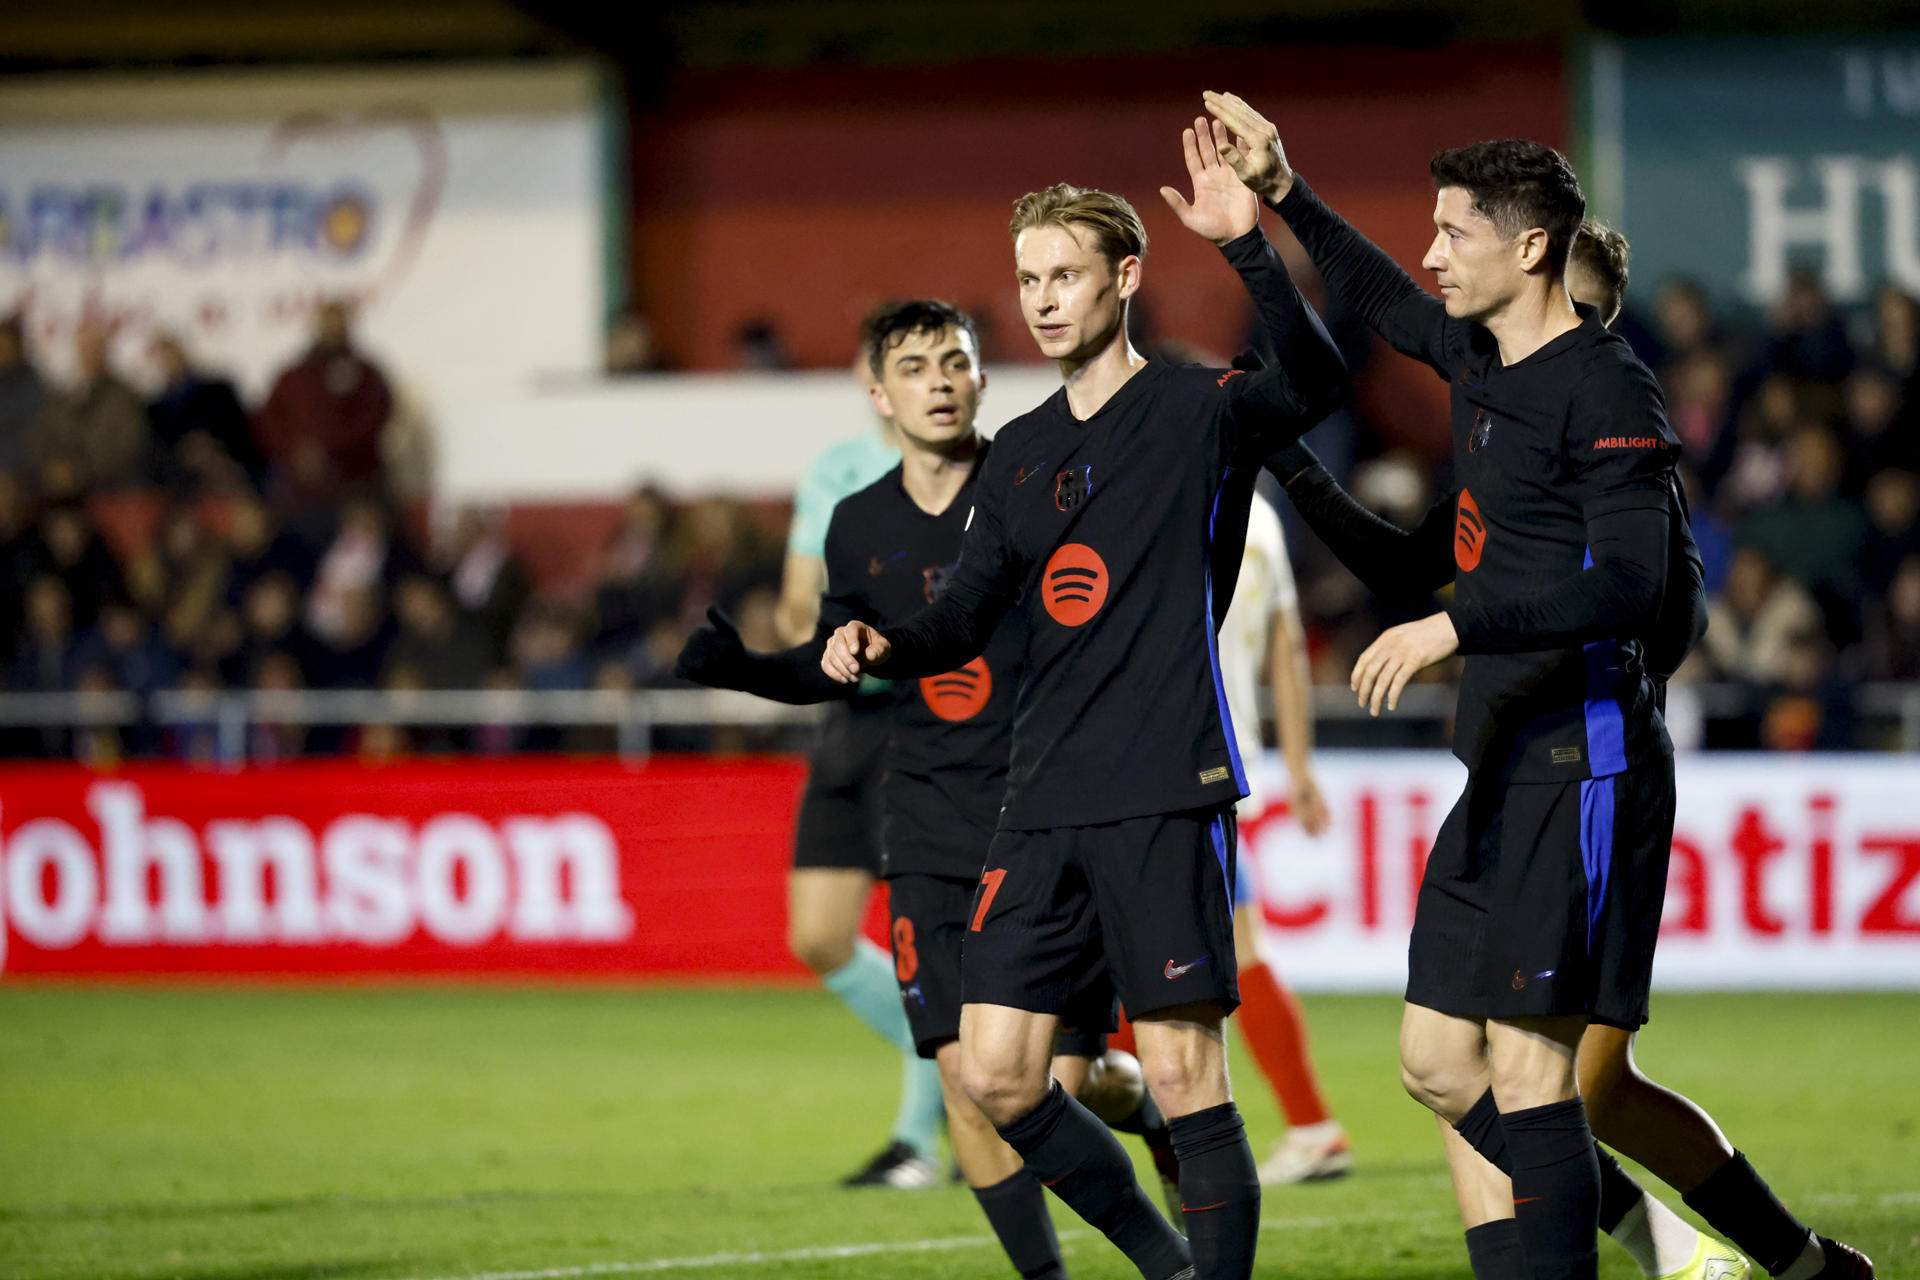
1127,271
878,394
1532,246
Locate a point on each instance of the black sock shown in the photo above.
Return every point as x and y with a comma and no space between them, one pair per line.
1481,1128
1738,1203
1556,1189
1493,1248
1618,1191
1219,1191
1078,1158
1017,1211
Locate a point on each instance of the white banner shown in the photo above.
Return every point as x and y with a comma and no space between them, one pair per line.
1788,871
464,207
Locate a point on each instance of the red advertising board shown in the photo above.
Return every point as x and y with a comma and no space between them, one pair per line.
1787,871
511,868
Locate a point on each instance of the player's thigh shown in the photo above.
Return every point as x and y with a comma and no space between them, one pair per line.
1451,910
1183,1055
1604,1063
1032,937
1532,1059
825,906
1004,1056
1163,888
1443,1059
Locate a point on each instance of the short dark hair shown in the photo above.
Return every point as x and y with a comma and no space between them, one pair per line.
892,323
1604,252
1518,184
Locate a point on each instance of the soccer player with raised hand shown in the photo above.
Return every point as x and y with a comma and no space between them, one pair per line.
1100,517
1548,877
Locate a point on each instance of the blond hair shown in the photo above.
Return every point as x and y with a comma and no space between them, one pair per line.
1116,228
1603,252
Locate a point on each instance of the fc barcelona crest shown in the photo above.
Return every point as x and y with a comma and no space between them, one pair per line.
1073,487
1481,433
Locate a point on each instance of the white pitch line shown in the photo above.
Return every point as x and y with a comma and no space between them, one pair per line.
829,1253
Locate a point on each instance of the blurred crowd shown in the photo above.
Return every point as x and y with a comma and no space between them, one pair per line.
1801,442
183,540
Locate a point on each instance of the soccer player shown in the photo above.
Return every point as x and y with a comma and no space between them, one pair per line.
836,842
1553,865
890,549
1262,631
1097,517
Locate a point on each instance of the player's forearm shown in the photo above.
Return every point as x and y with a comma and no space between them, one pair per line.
1292,696
1357,272
792,676
1618,595
1390,561
947,634
1293,337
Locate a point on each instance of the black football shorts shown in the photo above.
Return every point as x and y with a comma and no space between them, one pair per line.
1545,898
1149,899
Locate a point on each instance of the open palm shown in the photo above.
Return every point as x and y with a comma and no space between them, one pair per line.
1222,208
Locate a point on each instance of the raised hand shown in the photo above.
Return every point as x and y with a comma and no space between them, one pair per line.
713,654
1253,152
1222,208
852,651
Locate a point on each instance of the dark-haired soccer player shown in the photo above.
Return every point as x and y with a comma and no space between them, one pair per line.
890,548
1548,877
1097,517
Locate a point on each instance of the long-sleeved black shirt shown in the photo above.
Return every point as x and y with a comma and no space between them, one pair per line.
1106,536
951,733
1565,465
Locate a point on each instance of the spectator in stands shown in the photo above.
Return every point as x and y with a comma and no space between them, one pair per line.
1806,337
320,428
1877,435
43,659
182,579
1699,387
67,546
1896,333
1893,627
638,583
16,555
202,438
271,628
269,739
98,426
124,646
1893,517
366,554
489,583
547,653
258,546
719,557
22,396
193,737
1814,536
759,348
431,643
631,348
1756,620
351,654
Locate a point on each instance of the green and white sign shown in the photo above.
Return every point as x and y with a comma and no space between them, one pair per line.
1733,161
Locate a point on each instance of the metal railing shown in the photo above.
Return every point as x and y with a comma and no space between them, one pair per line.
633,718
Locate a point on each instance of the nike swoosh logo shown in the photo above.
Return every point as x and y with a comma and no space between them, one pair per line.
1173,970
1520,1200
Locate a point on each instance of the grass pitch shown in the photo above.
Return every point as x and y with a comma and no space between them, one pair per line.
547,1134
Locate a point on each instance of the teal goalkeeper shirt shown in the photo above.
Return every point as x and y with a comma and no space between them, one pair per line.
843,469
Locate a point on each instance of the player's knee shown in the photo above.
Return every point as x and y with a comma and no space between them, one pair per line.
1002,1093
1442,1086
821,950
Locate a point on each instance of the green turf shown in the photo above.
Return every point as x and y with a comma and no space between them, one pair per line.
218,1134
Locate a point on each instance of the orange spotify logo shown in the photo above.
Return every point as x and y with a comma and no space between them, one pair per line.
960,694
1469,534
1074,585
